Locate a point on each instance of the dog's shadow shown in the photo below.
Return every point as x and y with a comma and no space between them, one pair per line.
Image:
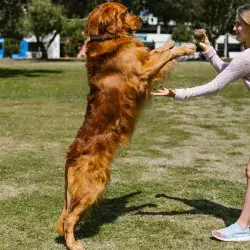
108,211
199,206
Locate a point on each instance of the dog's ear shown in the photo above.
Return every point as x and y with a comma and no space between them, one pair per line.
109,20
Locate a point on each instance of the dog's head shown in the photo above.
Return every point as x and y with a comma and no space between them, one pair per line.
111,20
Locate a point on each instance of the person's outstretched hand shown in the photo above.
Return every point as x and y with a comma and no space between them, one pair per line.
202,39
162,91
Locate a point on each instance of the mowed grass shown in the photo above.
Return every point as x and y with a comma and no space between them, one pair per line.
182,175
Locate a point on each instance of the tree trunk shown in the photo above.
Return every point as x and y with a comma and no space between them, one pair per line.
40,45
44,51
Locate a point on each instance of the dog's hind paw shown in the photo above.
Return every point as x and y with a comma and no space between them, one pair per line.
59,227
76,246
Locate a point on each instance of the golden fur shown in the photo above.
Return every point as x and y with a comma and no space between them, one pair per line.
121,75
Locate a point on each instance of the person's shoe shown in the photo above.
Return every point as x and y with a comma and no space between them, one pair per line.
232,233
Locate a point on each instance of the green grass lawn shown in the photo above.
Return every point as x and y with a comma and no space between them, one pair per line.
182,175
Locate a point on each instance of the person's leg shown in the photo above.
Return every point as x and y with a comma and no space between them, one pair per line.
240,230
244,219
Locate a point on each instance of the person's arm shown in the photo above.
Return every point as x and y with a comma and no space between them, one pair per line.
214,59
238,68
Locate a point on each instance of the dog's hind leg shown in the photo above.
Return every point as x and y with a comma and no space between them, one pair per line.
73,217
60,222
86,182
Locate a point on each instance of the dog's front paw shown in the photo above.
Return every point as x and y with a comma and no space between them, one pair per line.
189,49
169,45
166,47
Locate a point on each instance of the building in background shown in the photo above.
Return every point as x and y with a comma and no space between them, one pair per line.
22,54
30,50
227,46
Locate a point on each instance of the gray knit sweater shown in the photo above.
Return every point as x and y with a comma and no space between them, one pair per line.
239,67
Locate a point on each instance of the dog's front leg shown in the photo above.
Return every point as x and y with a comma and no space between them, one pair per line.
159,60
163,48
185,50
163,73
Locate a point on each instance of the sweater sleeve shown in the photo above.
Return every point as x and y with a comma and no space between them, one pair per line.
238,68
215,60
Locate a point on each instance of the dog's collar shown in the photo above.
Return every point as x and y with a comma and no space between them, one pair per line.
94,38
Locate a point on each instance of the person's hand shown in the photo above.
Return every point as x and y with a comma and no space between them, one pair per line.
202,39
83,49
162,91
82,52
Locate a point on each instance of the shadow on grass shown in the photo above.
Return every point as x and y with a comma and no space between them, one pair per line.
200,206
108,211
5,73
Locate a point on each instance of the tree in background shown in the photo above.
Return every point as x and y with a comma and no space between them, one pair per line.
79,8
10,13
11,46
41,19
19,18
73,31
166,10
182,33
216,16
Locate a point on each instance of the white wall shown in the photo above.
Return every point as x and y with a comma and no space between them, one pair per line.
54,49
159,39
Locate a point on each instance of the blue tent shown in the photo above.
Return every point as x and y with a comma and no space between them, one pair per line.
22,52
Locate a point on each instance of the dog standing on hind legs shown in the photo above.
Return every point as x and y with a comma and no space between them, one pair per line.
121,74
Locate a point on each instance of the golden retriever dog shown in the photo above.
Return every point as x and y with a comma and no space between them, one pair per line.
121,75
